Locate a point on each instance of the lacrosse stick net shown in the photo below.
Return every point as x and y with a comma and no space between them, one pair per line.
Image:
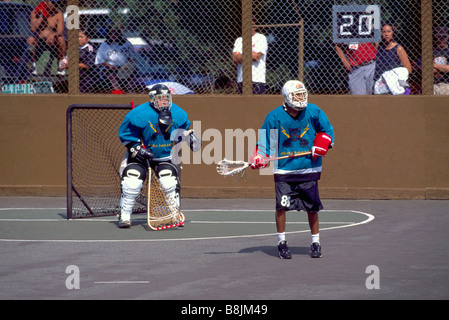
163,212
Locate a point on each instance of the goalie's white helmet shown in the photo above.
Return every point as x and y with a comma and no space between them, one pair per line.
160,97
295,94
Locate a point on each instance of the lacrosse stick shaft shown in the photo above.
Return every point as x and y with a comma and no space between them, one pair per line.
302,154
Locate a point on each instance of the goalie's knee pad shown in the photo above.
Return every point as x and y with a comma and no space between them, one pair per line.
132,181
168,176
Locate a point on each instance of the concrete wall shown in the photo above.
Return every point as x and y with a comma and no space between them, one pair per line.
385,147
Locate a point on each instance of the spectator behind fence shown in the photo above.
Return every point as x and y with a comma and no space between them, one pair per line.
392,65
87,68
117,60
359,59
440,61
259,55
47,25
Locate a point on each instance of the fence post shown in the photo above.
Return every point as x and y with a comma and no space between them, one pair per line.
247,84
73,53
427,47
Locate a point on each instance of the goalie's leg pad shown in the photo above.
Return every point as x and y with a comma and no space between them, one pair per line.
132,181
168,176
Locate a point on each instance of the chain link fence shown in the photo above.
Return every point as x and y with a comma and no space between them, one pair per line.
196,46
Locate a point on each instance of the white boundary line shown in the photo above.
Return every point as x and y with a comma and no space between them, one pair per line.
370,218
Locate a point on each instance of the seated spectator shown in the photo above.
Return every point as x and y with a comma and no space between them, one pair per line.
47,26
87,68
117,60
392,65
440,61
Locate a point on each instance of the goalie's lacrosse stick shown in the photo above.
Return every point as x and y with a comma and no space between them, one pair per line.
227,167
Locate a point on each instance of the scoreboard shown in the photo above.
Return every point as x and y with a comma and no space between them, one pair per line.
356,23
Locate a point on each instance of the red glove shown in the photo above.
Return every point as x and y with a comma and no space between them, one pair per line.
41,9
258,161
321,144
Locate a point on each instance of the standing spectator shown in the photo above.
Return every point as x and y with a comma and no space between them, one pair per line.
440,61
359,59
259,55
117,60
47,24
391,56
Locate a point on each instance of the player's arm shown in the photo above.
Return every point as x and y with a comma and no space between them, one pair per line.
187,135
257,161
130,136
261,150
192,139
143,155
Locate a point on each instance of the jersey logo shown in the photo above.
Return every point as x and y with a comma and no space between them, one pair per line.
156,129
294,135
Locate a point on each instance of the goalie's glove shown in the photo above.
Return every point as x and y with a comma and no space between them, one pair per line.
321,144
141,154
257,161
192,139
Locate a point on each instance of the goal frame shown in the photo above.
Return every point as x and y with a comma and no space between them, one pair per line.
71,189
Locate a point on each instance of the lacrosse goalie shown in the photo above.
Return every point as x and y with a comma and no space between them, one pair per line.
149,133
294,128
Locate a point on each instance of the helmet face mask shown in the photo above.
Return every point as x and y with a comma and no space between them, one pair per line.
160,97
295,95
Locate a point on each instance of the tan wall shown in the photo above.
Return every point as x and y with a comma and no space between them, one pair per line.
385,147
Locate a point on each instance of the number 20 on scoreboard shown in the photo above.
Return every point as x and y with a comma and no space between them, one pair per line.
356,23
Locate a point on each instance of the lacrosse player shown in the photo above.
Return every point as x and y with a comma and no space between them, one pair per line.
294,127
149,133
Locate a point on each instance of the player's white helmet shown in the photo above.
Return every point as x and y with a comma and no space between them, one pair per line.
160,97
295,94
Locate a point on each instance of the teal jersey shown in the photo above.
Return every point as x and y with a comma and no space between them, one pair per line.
141,126
283,135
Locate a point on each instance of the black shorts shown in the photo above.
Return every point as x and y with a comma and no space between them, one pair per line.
298,196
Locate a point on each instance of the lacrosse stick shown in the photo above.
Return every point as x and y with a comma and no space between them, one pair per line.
228,167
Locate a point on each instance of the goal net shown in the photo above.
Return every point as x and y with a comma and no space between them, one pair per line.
94,154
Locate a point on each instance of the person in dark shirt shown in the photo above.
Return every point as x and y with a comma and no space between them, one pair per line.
390,54
87,69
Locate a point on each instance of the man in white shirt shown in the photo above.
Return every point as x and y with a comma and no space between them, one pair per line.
259,67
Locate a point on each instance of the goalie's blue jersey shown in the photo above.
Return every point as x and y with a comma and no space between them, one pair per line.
283,135
143,123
